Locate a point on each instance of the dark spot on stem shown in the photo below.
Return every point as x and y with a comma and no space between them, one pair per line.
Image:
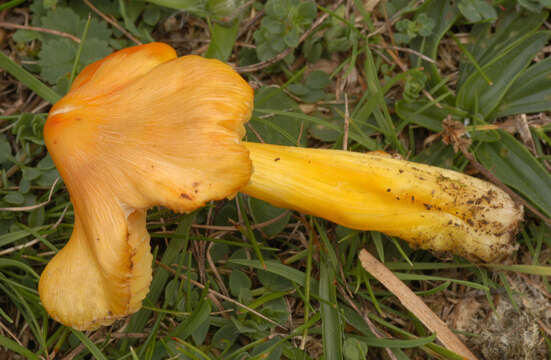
185,196
277,159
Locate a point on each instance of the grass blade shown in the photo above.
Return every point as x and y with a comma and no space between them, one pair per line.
94,350
28,79
16,348
331,328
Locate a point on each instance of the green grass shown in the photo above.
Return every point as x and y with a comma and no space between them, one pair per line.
297,289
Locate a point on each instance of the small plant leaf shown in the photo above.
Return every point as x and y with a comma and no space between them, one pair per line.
530,93
477,96
222,39
513,164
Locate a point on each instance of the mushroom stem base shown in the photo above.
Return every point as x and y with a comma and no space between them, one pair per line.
429,207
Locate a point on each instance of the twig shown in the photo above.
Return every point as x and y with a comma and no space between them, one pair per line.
215,270
250,23
413,303
60,218
7,330
39,29
33,207
282,55
113,23
411,51
19,247
237,226
221,296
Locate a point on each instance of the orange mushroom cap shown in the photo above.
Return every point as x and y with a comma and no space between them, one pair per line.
139,128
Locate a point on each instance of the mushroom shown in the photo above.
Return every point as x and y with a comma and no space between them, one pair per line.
143,127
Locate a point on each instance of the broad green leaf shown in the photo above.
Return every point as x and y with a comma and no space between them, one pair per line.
239,281
477,96
487,43
23,36
151,15
277,129
269,350
530,93
477,10
66,20
275,267
317,80
193,322
200,334
262,211
437,154
222,39
225,336
354,349
14,198
426,115
513,164
57,57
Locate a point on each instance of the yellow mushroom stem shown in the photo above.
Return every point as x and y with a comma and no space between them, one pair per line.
429,207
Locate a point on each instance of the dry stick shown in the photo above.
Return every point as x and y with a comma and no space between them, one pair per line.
215,271
39,29
32,207
19,247
414,304
237,226
12,335
250,23
402,49
221,296
280,56
113,22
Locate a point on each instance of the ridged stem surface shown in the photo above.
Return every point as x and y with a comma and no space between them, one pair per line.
427,206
